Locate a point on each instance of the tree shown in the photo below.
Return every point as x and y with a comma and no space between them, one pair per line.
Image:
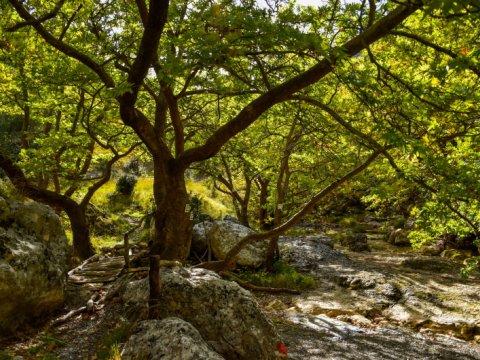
187,36
60,132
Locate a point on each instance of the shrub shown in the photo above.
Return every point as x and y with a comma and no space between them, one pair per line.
126,184
133,167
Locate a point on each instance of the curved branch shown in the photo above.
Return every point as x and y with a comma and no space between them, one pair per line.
296,218
18,179
106,176
40,20
281,93
157,17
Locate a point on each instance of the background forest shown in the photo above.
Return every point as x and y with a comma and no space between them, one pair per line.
273,110
309,129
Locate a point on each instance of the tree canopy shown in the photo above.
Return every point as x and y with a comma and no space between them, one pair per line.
299,98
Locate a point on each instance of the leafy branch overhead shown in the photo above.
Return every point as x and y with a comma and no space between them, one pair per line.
272,100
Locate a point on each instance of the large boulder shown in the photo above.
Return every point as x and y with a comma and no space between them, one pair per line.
224,235
33,262
227,316
167,339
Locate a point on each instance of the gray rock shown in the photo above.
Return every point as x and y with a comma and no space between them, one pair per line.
231,219
310,253
399,237
224,235
355,242
226,315
167,339
357,281
33,262
199,237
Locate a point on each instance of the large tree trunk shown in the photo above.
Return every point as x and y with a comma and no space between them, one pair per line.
82,245
173,227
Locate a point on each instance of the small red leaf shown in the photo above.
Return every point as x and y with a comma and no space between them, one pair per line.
282,349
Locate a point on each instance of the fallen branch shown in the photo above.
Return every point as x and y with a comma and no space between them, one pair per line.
63,319
249,286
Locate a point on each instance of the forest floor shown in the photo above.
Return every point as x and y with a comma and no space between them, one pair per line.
390,303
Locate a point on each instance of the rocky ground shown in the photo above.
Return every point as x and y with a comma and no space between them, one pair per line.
389,303
383,304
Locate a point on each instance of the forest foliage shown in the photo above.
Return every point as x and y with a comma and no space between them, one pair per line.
271,102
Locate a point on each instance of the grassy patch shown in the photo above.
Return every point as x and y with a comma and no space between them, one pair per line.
105,241
44,349
101,197
211,205
143,194
109,344
5,355
283,276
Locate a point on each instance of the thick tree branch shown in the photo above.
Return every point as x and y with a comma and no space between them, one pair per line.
176,120
157,17
143,11
282,92
18,179
296,218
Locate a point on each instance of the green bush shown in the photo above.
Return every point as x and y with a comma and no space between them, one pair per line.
133,167
126,184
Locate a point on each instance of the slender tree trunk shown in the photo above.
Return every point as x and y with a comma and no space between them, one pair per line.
173,227
243,215
262,203
80,231
273,251
245,201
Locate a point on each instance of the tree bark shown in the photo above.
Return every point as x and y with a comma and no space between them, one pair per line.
75,212
173,227
80,231
263,199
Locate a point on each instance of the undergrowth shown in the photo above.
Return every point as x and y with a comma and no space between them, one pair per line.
109,343
283,276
